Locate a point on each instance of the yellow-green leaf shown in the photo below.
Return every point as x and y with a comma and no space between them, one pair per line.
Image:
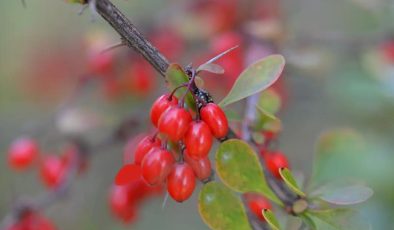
271,219
221,209
288,178
239,168
270,101
257,77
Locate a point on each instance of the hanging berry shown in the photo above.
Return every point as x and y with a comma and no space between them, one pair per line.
181,182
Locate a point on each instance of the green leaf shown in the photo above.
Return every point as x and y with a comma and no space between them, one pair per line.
175,76
270,101
341,150
265,114
340,219
232,115
239,168
267,121
288,178
308,221
257,77
221,209
349,195
271,219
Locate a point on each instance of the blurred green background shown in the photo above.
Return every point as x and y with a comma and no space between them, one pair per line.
335,77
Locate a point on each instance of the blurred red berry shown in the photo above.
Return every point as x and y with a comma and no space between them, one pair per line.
101,64
275,161
32,221
139,78
121,205
22,153
388,50
257,203
169,42
52,171
130,147
232,62
128,174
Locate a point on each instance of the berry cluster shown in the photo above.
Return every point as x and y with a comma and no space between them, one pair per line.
124,200
24,153
178,153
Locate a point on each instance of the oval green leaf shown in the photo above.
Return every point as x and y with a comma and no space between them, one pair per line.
289,180
175,76
340,219
257,77
267,121
342,149
239,168
270,101
349,195
220,209
308,221
271,219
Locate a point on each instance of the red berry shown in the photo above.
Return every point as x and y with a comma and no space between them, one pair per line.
169,42
72,156
52,171
181,182
139,79
144,146
22,153
156,166
388,50
216,119
202,168
33,221
160,106
198,139
101,63
128,174
121,204
257,204
174,123
275,161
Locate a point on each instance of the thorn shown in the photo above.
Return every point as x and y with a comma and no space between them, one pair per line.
92,6
114,46
221,55
83,8
163,205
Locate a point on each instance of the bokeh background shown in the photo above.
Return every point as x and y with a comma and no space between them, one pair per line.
339,75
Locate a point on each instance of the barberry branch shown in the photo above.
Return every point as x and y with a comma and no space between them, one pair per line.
131,35
134,39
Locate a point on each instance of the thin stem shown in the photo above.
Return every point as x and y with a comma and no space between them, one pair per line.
176,89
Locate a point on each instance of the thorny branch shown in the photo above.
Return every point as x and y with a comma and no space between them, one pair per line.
134,39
